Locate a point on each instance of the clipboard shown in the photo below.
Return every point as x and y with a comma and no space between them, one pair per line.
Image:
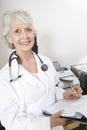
83,119
73,109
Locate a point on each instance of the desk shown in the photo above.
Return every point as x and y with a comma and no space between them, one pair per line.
71,125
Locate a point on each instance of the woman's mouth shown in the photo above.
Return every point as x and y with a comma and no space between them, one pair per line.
25,42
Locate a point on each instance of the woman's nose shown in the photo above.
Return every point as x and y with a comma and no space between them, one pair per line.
24,34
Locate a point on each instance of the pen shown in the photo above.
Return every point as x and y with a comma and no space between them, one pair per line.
73,90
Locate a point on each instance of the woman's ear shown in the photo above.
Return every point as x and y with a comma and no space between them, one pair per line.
8,39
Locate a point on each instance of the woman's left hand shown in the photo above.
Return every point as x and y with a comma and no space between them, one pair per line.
73,93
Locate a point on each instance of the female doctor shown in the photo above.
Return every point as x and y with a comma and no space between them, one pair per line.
27,81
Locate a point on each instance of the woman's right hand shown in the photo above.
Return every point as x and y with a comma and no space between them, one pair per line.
55,119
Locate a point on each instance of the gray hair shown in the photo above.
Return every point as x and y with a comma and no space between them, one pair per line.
9,16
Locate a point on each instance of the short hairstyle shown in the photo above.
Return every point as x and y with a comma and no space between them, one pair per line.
9,16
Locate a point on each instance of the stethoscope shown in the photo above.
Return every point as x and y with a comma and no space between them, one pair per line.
14,56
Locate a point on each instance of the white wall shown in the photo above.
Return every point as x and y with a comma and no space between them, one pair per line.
61,27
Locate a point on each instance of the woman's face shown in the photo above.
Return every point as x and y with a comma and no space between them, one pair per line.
21,35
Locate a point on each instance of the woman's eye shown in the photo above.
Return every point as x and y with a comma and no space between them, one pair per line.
17,31
29,30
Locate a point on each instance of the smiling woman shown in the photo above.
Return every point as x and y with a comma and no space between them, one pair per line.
28,80
18,24
21,35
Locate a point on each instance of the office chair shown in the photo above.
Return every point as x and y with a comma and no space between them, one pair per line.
35,47
1,127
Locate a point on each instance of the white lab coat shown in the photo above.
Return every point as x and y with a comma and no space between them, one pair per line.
22,101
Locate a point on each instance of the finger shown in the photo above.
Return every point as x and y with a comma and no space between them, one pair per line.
57,114
79,90
62,121
73,92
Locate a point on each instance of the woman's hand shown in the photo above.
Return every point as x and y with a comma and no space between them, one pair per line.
55,119
74,93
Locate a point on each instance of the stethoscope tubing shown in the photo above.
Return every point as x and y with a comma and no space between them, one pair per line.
16,57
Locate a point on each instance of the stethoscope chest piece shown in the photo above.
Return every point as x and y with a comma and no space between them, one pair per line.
44,67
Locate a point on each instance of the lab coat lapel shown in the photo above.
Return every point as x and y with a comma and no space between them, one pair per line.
42,80
43,77
42,74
